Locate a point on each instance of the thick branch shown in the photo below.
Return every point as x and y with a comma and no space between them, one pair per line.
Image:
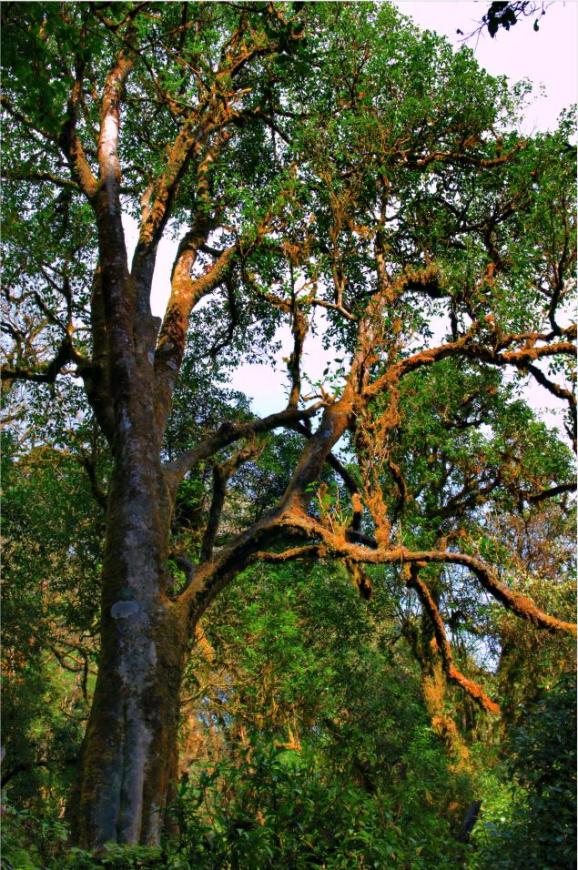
470,347
221,474
462,157
186,292
39,177
551,492
332,461
299,329
512,600
552,386
213,113
228,433
418,360
72,146
49,372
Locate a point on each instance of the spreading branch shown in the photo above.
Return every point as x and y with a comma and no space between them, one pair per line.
228,433
338,546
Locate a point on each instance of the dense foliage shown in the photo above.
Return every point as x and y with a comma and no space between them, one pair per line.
531,817
306,742
322,637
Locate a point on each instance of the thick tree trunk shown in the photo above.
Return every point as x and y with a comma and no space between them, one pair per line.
129,755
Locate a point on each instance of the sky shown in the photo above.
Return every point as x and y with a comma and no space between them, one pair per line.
548,58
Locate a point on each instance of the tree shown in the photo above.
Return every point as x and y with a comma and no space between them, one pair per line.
310,742
506,15
328,168
49,617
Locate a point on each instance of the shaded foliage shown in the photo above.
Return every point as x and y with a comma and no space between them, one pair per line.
531,815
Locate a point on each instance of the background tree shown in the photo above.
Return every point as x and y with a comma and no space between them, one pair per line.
310,741
328,168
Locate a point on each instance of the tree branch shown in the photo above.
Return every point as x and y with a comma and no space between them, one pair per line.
48,373
552,492
186,292
228,433
221,474
337,545
25,175
72,146
443,645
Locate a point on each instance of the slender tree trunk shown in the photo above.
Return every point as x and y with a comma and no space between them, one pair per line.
434,689
434,685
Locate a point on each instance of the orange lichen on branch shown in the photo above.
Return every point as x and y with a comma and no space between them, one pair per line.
186,292
378,509
213,113
515,601
300,327
447,729
452,673
461,156
489,275
356,503
473,690
417,360
173,332
203,644
399,479
530,354
306,552
427,279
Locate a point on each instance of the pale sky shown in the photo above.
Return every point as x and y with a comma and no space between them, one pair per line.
548,58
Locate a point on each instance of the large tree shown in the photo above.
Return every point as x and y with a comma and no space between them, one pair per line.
328,168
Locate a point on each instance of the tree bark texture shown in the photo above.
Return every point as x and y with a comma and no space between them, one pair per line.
129,756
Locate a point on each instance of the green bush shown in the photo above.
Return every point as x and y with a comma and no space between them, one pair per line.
530,816
281,808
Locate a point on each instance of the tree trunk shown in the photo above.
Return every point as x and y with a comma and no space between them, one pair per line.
129,755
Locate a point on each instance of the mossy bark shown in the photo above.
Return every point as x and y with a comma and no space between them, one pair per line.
129,756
